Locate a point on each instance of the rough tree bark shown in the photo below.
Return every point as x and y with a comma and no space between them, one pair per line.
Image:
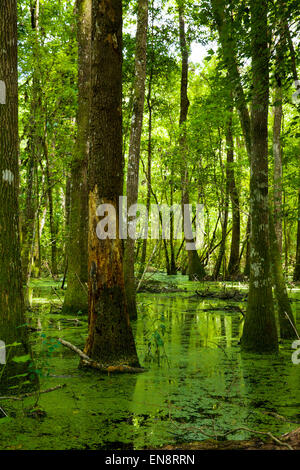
76,295
134,148
110,339
260,333
12,318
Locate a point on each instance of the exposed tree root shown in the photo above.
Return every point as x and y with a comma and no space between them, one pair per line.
88,362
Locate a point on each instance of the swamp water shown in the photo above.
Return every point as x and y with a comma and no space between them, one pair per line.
197,383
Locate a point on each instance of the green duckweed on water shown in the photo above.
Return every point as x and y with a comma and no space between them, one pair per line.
197,382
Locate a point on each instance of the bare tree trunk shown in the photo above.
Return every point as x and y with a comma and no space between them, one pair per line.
134,148
110,339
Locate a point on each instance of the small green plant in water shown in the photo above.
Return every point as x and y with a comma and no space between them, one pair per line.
154,335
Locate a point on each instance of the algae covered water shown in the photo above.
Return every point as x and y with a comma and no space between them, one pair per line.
197,384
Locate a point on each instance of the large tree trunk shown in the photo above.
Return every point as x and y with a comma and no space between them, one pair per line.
110,339
234,259
195,267
12,318
134,148
77,246
260,333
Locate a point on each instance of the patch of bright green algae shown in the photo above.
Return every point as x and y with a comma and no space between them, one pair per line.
197,382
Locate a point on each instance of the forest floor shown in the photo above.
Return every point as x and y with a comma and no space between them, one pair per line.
198,391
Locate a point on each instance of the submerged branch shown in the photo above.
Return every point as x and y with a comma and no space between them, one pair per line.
32,394
88,362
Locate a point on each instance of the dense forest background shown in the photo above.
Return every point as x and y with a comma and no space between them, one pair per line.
48,98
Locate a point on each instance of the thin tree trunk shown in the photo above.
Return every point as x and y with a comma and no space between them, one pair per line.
77,246
110,339
134,148
222,249
247,257
31,200
149,164
234,259
195,267
277,155
285,314
228,51
260,333
52,225
224,204
173,269
277,147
